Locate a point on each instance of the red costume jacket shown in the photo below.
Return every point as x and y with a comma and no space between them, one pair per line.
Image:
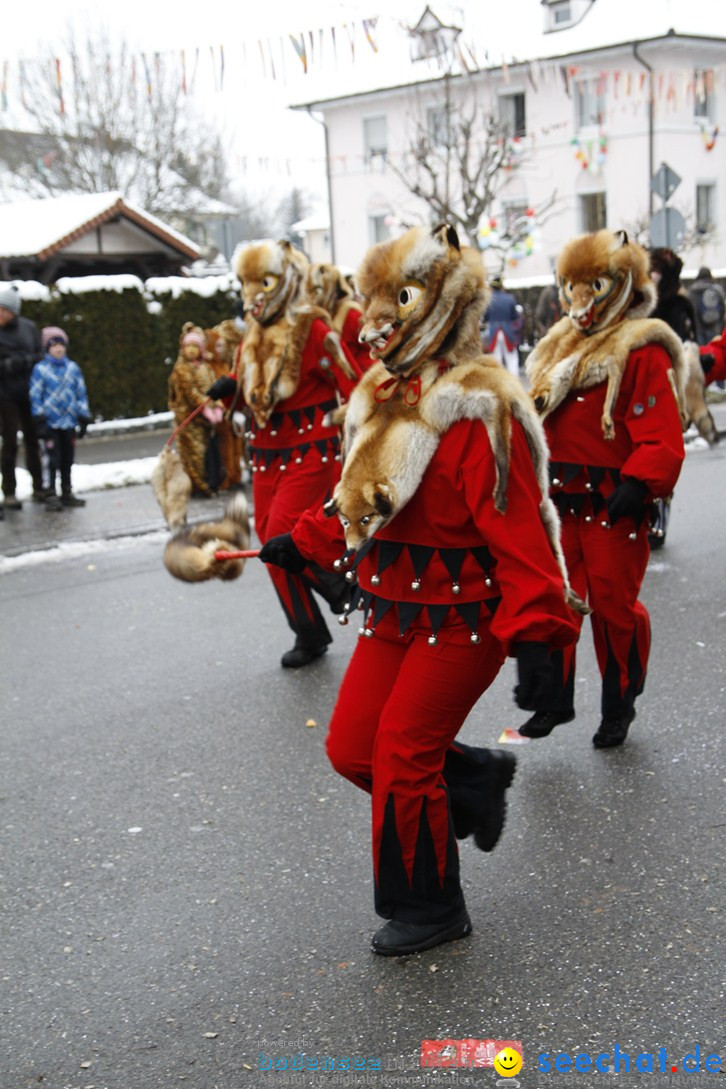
296,426
648,442
449,552
717,349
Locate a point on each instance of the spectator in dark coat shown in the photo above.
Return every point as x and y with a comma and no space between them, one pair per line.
709,304
20,350
674,307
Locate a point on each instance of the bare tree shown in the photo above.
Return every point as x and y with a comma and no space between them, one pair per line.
458,162
114,119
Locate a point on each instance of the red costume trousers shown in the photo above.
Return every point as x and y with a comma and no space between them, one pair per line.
399,709
280,497
606,569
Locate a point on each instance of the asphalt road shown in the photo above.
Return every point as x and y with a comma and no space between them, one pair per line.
186,884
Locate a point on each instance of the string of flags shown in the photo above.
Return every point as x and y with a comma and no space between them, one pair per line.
290,55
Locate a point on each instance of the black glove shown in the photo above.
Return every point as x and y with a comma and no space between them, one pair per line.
41,427
627,499
283,552
83,422
223,387
707,361
537,677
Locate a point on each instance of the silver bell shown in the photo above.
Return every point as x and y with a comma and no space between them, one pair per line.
475,637
337,564
343,619
588,517
605,525
588,486
632,536
556,483
298,461
324,459
487,582
350,576
416,585
376,580
432,640
273,432
456,589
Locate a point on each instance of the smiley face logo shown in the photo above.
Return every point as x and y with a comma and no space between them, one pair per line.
508,1062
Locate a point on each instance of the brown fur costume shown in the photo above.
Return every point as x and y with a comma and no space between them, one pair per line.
423,299
279,323
188,382
607,293
222,342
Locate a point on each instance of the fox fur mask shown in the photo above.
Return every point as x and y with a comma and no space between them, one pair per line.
606,294
423,295
272,275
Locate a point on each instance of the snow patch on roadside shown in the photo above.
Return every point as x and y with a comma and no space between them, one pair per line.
73,550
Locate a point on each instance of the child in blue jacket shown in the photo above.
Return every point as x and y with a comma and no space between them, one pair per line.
59,403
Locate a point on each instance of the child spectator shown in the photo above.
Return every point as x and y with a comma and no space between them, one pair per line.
59,403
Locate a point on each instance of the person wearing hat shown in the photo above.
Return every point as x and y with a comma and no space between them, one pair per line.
59,403
20,350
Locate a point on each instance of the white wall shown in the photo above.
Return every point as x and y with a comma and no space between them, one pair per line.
360,192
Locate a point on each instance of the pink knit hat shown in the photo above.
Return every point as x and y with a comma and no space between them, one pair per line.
194,338
52,333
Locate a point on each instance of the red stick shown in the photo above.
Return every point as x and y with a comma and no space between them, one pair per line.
247,554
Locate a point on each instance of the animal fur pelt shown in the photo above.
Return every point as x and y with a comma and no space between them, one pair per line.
278,325
697,411
326,286
190,554
606,290
172,487
393,424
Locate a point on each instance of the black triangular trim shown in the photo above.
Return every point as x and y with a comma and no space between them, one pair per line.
492,603
556,470
615,476
407,613
596,474
363,551
570,472
483,557
420,556
322,445
309,413
469,613
296,417
381,605
388,553
576,502
437,615
452,559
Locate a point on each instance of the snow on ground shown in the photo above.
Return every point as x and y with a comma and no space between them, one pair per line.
96,478
73,550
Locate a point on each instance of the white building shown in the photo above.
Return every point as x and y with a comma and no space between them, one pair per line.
597,95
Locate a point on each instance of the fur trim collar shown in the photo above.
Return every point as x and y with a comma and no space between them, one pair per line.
566,360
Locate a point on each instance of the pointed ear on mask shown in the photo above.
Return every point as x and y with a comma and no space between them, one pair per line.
381,500
330,508
447,235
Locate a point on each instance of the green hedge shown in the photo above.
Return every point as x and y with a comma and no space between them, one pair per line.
124,350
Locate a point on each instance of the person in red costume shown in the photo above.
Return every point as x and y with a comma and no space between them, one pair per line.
326,286
290,372
713,359
451,547
608,381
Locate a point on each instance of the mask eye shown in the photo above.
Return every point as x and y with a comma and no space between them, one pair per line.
269,283
344,522
365,520
408,296
601,286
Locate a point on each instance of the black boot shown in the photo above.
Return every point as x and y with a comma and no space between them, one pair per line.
398,939
613,731
477,781
542,723
301,655
68,499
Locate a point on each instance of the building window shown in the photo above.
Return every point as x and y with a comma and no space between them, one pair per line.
589,103
705,208
438,125
561,13
704,106
515,218
512,115
593,212
377,229
375,138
